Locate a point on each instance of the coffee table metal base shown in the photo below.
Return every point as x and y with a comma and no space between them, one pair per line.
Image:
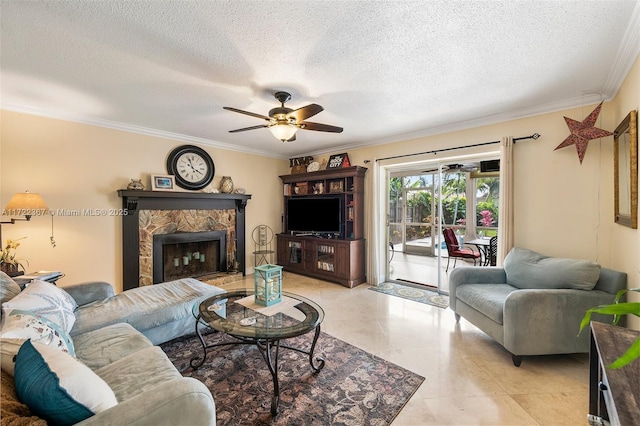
266,347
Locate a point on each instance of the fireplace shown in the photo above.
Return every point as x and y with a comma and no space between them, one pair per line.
188,254
152,213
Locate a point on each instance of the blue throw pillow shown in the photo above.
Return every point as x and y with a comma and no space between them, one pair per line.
57,387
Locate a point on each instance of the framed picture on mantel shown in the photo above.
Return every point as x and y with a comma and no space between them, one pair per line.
338,161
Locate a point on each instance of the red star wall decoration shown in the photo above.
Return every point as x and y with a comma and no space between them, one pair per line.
583,132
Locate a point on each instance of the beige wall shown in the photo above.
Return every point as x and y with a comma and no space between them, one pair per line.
76,166
626,241
563,208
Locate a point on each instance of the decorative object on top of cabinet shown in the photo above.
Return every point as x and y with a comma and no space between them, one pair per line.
135,185
323,165
226,185
337,161
192,166
625,164
163,183
583,132
313,167
299,164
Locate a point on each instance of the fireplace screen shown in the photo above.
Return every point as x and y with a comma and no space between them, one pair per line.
188,254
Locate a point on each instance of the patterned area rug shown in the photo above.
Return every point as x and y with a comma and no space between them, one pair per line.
413,292
353,388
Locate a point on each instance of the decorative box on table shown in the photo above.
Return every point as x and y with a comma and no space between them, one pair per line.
267,283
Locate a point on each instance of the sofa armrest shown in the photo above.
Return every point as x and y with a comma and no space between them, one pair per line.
85,293
183,401
540,322
473,275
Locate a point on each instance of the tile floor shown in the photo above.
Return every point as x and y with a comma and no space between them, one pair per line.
469,379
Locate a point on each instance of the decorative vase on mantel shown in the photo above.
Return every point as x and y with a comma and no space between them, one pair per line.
226,185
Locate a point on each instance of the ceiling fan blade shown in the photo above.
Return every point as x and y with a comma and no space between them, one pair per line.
305,112
253,114
248,128
320,127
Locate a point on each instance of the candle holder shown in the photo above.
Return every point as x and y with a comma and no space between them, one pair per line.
267,283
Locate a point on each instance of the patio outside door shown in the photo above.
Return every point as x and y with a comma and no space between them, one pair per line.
469,202
413,229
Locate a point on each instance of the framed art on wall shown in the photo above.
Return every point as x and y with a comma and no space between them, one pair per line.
163,183
625,164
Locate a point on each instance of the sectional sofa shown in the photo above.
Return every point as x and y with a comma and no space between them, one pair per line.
83,355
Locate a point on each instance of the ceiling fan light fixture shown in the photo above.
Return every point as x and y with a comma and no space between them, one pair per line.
283,131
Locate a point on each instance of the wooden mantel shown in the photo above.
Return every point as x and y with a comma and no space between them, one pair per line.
135,201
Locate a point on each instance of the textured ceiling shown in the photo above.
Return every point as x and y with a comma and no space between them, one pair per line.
383,70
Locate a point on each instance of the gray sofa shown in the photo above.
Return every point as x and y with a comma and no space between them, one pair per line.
534,304
114,335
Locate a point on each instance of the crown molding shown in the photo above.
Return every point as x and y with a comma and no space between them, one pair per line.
78,118
585,99
627,54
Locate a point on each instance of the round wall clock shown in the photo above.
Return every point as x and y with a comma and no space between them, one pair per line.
192,167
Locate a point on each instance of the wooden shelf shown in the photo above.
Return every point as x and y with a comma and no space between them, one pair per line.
340,260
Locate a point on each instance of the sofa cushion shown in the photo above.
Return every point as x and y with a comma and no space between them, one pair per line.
138,372
527,269
105,345
145,307
46,300
8,288
57,387
488,299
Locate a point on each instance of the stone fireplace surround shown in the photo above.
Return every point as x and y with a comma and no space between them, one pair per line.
163,212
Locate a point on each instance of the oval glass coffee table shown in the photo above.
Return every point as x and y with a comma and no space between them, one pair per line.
221,313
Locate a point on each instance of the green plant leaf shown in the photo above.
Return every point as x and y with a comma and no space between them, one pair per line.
629,356
616,309
622,292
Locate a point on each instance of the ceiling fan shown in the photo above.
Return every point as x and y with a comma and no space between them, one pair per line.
283,122
455,167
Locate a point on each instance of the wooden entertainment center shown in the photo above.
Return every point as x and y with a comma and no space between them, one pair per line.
332,256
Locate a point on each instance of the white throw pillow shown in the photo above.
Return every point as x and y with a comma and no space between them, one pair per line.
21,326
57,387
47,300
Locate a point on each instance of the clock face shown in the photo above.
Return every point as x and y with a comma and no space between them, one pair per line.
192,166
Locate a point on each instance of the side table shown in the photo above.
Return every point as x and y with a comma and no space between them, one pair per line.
48,276
614,395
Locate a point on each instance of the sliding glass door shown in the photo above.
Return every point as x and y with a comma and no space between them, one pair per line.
456,196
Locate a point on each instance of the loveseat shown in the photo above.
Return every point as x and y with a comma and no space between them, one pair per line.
534,304
101,348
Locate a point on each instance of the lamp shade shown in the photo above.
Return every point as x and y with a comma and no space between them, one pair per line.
283,132
25,204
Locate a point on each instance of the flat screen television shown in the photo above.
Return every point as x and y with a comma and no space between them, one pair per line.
316,214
